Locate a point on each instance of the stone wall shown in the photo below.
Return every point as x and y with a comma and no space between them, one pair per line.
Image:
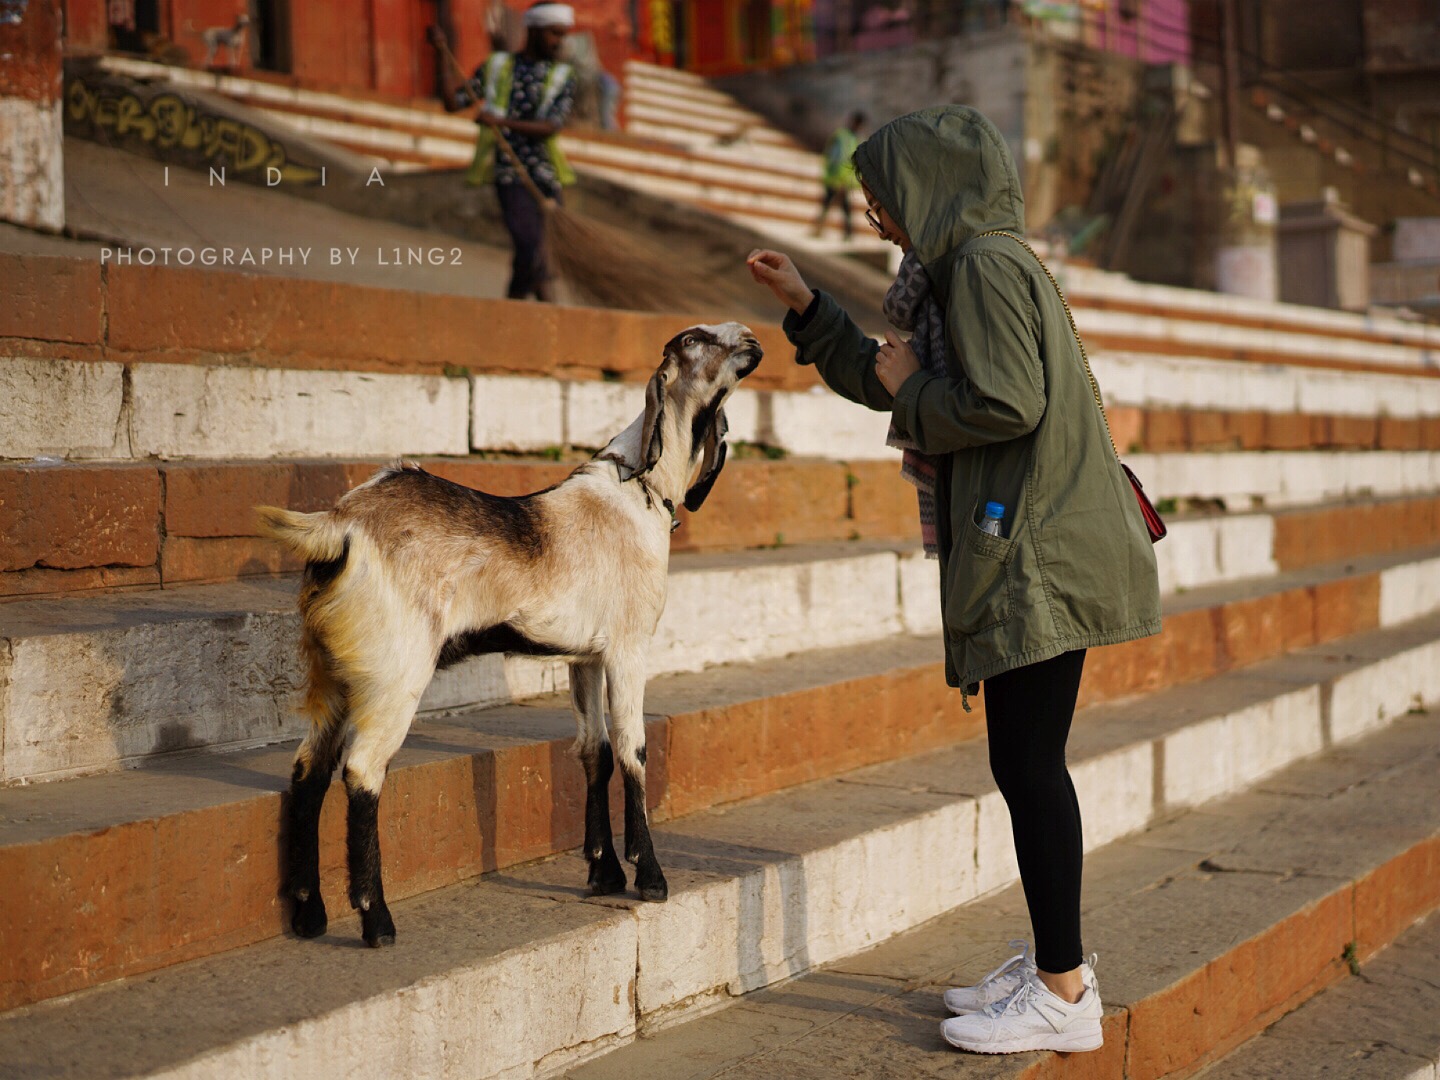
32,178
986,70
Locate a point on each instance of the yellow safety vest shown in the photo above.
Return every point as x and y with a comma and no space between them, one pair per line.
499,74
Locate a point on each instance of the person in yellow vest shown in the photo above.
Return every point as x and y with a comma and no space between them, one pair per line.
838,175
527,96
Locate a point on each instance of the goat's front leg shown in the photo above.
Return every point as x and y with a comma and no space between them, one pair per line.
625,676
592,747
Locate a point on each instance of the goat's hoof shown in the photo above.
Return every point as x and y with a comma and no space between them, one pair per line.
377,927
607,878
309,919
657,891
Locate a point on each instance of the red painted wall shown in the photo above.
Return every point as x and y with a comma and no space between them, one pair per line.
85,26
31,71
367,45
330,43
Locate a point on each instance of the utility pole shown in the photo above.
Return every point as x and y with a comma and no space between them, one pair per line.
1230,61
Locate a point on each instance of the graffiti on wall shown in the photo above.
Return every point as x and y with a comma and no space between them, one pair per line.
169,125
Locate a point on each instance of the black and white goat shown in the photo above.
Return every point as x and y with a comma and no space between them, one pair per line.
225,37
409,572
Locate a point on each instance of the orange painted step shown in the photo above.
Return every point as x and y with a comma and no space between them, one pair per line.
100,863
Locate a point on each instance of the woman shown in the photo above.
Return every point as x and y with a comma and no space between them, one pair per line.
992,403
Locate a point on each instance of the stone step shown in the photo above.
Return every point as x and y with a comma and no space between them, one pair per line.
1087,287
1204,337
94,682
500,787
777,886
100,681
675,115
1208,926
1090,287
452,143
72,527
1385,1025
113,410
63,311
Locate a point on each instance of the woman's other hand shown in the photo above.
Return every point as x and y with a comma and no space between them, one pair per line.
774,269
895,362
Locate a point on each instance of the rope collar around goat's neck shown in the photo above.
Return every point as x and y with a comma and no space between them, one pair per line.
651,495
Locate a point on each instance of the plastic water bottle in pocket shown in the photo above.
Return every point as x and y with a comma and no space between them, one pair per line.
994,514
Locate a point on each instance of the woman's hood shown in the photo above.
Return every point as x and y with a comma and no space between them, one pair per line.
944,174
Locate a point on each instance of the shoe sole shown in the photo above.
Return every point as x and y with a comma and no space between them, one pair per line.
1064,1044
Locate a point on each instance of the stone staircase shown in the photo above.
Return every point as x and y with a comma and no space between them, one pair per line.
682,141
1258,782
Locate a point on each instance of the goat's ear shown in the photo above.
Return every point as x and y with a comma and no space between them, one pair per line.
651,437
713,462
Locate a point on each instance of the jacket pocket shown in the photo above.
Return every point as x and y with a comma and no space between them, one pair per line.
980,595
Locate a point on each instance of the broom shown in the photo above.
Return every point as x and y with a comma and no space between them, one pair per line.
607,265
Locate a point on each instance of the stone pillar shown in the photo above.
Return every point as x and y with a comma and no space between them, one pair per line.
32,175
1325,254
1245,262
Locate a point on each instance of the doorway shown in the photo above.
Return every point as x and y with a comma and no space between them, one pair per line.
270,35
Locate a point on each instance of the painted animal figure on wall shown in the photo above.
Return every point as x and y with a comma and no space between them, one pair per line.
410,572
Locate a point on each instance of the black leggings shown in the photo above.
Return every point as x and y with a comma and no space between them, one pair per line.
1027,715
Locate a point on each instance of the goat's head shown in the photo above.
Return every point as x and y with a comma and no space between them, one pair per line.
685,402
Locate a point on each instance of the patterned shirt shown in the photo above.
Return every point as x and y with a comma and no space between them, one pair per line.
527,90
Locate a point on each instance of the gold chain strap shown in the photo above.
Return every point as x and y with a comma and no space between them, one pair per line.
1094,386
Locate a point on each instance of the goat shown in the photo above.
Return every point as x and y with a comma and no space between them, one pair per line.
410,572
228,37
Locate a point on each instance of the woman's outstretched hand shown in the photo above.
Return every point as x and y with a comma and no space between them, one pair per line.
895,362
775,270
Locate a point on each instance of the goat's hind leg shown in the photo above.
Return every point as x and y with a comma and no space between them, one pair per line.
592,747
626,683
380,719
315,763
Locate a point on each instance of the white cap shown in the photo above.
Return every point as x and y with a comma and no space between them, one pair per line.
546,16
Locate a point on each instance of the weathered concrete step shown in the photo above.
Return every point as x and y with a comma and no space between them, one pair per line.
1241,480
123,387
99,682
139,410
484,790
1385,1025
518,974
1203,337
71,527
786,184
95,682
467,794
1090,287
1208,926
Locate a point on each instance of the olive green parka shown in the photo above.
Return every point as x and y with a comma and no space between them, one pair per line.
1013,421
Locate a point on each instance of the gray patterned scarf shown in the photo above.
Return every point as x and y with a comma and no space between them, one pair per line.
910,307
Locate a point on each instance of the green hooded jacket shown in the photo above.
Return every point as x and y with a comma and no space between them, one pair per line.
1014,420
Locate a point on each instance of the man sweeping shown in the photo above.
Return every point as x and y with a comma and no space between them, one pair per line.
527,97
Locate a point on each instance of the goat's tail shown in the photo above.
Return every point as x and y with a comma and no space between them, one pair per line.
319,537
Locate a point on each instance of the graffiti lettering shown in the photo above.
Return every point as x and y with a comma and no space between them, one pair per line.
168,122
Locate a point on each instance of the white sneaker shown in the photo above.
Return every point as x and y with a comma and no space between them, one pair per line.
1032,1018
997,986
1005,980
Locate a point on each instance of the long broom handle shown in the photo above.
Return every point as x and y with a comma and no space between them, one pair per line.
525,178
